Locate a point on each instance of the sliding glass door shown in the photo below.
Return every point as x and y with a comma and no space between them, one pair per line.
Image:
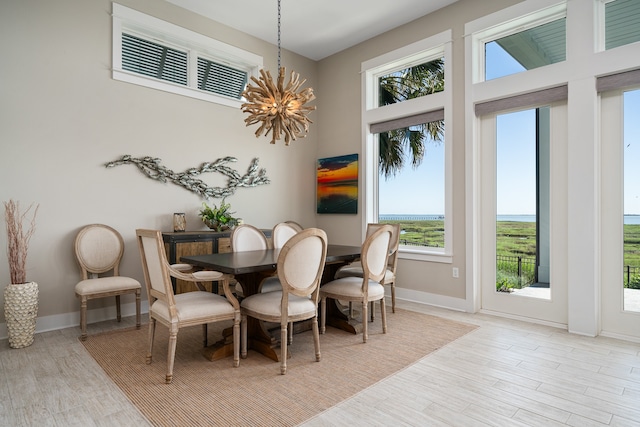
524,213
621,213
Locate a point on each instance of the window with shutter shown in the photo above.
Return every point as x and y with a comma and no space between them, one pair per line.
157,54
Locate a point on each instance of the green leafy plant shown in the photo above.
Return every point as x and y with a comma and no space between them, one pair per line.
218,218
634,282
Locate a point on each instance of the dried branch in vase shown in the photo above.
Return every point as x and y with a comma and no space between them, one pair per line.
18,239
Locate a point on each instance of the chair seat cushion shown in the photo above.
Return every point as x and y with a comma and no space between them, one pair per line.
356,271
195,305
351,288
106,284
269,304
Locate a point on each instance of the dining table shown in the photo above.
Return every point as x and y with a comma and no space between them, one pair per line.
250,268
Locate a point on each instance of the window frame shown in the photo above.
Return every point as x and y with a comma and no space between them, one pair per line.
522,23
196,45
434,47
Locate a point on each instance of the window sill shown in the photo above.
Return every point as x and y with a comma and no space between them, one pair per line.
426,255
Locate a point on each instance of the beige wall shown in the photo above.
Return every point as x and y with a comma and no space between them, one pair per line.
62,117
339,128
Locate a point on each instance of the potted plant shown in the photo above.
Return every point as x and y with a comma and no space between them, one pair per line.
20,297
218,218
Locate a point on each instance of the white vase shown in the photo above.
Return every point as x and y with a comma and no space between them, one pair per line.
20,312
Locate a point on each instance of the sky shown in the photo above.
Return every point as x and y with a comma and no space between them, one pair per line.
516,160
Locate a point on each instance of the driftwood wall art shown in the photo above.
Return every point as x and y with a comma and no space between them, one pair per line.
152,167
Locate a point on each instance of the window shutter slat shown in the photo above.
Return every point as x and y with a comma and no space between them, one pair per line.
153,60
221,79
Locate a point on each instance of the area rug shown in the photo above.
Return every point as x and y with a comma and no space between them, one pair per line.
205,393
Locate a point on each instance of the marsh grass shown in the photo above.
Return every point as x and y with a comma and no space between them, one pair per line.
513,239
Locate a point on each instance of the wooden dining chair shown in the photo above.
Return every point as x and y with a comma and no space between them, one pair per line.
355,269
365,289
246,237
99,249
282,232
295,225
181,310
300,265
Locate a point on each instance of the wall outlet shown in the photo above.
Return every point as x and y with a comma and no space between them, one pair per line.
456,273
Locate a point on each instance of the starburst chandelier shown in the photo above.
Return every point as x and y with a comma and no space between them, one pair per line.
280,108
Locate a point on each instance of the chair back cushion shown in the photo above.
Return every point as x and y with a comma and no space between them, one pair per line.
246,237
282,232
301,262
375,253
155,265
295,225
99,249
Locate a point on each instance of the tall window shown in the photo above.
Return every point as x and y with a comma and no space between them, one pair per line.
414,194
522,196
631,184
406,150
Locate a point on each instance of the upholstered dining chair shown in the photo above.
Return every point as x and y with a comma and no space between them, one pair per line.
300,265
181,310
282,232
355,269
365,289
294,225
99,249
246,237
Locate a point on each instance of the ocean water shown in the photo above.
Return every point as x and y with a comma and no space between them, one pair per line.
628,219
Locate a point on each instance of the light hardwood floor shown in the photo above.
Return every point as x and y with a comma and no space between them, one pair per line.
505,373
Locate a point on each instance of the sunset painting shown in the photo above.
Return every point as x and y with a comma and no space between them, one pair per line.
338,185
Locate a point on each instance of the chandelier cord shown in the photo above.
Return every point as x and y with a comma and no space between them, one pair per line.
278,34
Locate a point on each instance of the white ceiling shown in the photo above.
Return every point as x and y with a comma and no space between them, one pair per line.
314,28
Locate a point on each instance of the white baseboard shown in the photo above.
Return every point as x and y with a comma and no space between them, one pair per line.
427,298
67,320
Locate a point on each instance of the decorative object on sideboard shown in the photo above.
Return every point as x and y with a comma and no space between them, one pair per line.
280,108
179,222
152,167
218,218
20,297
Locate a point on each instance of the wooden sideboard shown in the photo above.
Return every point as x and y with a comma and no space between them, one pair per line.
186,243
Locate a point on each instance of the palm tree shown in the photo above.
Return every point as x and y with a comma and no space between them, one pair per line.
414,82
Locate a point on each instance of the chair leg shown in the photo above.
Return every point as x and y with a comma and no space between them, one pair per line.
152,333
204,334
290,337
243,339
236,340
393,297
283,348
138,309
119,316
323,314
383,314
316,337
171,353
350,309
83,318
372,309
365,335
